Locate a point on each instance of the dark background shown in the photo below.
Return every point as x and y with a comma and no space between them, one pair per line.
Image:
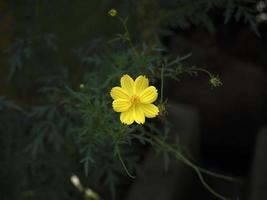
231,118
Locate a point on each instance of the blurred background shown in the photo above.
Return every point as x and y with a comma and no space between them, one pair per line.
224,128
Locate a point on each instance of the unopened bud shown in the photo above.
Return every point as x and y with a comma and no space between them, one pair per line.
112,12
215,81
81,86
76,182
262,17
90,194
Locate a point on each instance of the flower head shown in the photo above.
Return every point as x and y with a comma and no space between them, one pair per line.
215,81
112,12
134,100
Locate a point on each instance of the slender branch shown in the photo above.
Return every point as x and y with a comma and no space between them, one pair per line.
124,24
228,178
197,169
162,83
203,70
206,185
122,162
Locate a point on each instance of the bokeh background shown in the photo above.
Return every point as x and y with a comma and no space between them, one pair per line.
41,42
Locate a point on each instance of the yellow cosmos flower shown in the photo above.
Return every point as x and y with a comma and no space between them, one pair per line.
134,100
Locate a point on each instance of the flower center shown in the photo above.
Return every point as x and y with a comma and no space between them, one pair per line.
135,100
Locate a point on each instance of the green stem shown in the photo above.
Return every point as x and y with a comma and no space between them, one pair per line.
198,170
203,70
228,178
122,162
162,83
162,143
206,185
124,24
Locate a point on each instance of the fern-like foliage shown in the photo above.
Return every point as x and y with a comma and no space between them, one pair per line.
62,122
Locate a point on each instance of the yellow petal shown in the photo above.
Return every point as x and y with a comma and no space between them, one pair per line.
140,83
121,105
149,95
119,93
127,116
138,114
150,110
127,83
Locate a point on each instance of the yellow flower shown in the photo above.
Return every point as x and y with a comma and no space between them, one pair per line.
134,100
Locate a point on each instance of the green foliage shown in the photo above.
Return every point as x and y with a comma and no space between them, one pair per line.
198,13
69,126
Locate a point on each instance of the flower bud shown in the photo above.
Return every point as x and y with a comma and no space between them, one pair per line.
90,194
76,182
81,86
112,12
261,17
215,81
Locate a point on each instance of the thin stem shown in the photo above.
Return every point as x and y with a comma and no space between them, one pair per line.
162,83
196,168
122,162
124,24
203,70
206,185
203,170
193,165
228,178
